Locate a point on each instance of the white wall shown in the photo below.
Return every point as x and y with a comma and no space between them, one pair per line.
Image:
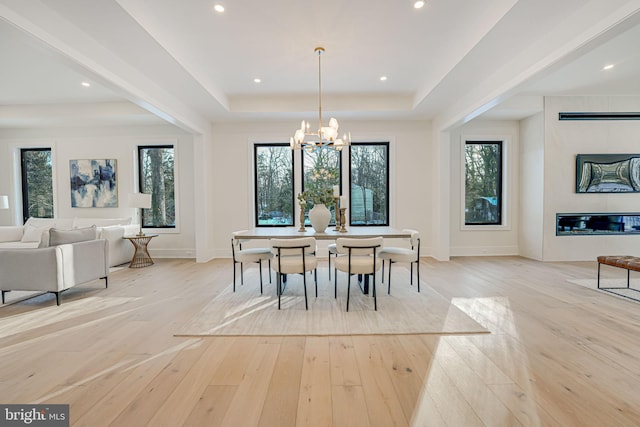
232,172
118,143
484,240
531,186
563,141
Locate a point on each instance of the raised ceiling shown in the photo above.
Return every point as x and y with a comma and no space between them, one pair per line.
182,62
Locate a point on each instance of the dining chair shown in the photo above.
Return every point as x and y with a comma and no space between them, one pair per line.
357,256
403,254
241,256
294,256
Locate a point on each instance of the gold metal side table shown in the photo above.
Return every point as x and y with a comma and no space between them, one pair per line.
141,257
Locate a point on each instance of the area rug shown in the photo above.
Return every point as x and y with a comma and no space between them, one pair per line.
405,311
613,287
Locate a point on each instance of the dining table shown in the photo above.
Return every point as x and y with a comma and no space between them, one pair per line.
328,234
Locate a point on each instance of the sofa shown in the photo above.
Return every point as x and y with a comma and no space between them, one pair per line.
35,234
55,268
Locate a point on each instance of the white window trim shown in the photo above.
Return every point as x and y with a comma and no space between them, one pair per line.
506,179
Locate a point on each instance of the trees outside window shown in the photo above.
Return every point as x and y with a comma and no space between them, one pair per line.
273,186
321,169
37,183
369,180
483,183
156,177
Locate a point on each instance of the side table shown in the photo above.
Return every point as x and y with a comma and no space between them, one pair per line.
141,257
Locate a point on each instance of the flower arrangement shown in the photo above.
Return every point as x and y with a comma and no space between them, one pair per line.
319,189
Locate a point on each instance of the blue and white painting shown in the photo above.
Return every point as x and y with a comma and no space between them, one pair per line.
93,183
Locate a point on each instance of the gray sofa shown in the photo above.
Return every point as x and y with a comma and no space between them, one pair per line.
55,268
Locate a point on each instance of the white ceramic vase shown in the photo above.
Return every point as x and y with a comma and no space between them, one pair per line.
319,216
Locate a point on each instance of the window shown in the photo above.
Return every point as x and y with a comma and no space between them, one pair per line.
483,183
156,177
37,183
321,169
273,184
369,174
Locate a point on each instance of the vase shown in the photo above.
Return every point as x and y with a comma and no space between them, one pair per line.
319,216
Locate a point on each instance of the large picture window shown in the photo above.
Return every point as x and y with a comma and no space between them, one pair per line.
273,184
156,177
369,180
483,183
37,183
321,169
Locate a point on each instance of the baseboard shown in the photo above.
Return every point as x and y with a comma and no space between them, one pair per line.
485,251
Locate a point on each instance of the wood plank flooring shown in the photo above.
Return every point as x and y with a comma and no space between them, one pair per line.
558,355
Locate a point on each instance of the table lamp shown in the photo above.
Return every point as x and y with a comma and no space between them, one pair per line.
140,201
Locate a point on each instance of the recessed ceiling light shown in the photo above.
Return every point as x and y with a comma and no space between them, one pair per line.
85,84
418,4
257,80
383,78
218,8
607,67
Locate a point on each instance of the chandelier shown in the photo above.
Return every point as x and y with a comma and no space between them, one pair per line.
326,136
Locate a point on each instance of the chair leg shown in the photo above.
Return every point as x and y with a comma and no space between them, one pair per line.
348,289
57,297
335,283
269,270
383,270
304,282
375,300
418,273
3,292
411,276
279,285
241,274
234,276
389,291
316,280
260,265
329,266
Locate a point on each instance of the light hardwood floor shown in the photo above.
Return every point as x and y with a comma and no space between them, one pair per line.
558,355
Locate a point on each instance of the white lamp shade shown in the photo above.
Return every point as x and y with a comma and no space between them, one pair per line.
4,202
139,200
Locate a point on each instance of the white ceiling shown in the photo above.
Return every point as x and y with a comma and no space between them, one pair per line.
179,61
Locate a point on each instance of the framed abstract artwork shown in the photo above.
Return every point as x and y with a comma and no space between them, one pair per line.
93,183
608,173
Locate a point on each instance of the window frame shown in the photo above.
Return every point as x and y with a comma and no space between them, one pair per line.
167,228
256,145
332,222
23,182
505,152
386,144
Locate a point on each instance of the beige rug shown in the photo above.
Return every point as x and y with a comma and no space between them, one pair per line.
614,287
405,311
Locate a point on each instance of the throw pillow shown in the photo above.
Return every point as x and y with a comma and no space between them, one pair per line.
61,237
32,233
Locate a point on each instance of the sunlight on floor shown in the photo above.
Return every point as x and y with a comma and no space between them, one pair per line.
463,375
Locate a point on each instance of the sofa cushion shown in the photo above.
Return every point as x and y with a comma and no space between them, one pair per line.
61,237
32,233
100,222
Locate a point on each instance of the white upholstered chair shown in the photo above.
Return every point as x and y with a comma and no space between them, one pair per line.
294,256
358,256
399,254
241,256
